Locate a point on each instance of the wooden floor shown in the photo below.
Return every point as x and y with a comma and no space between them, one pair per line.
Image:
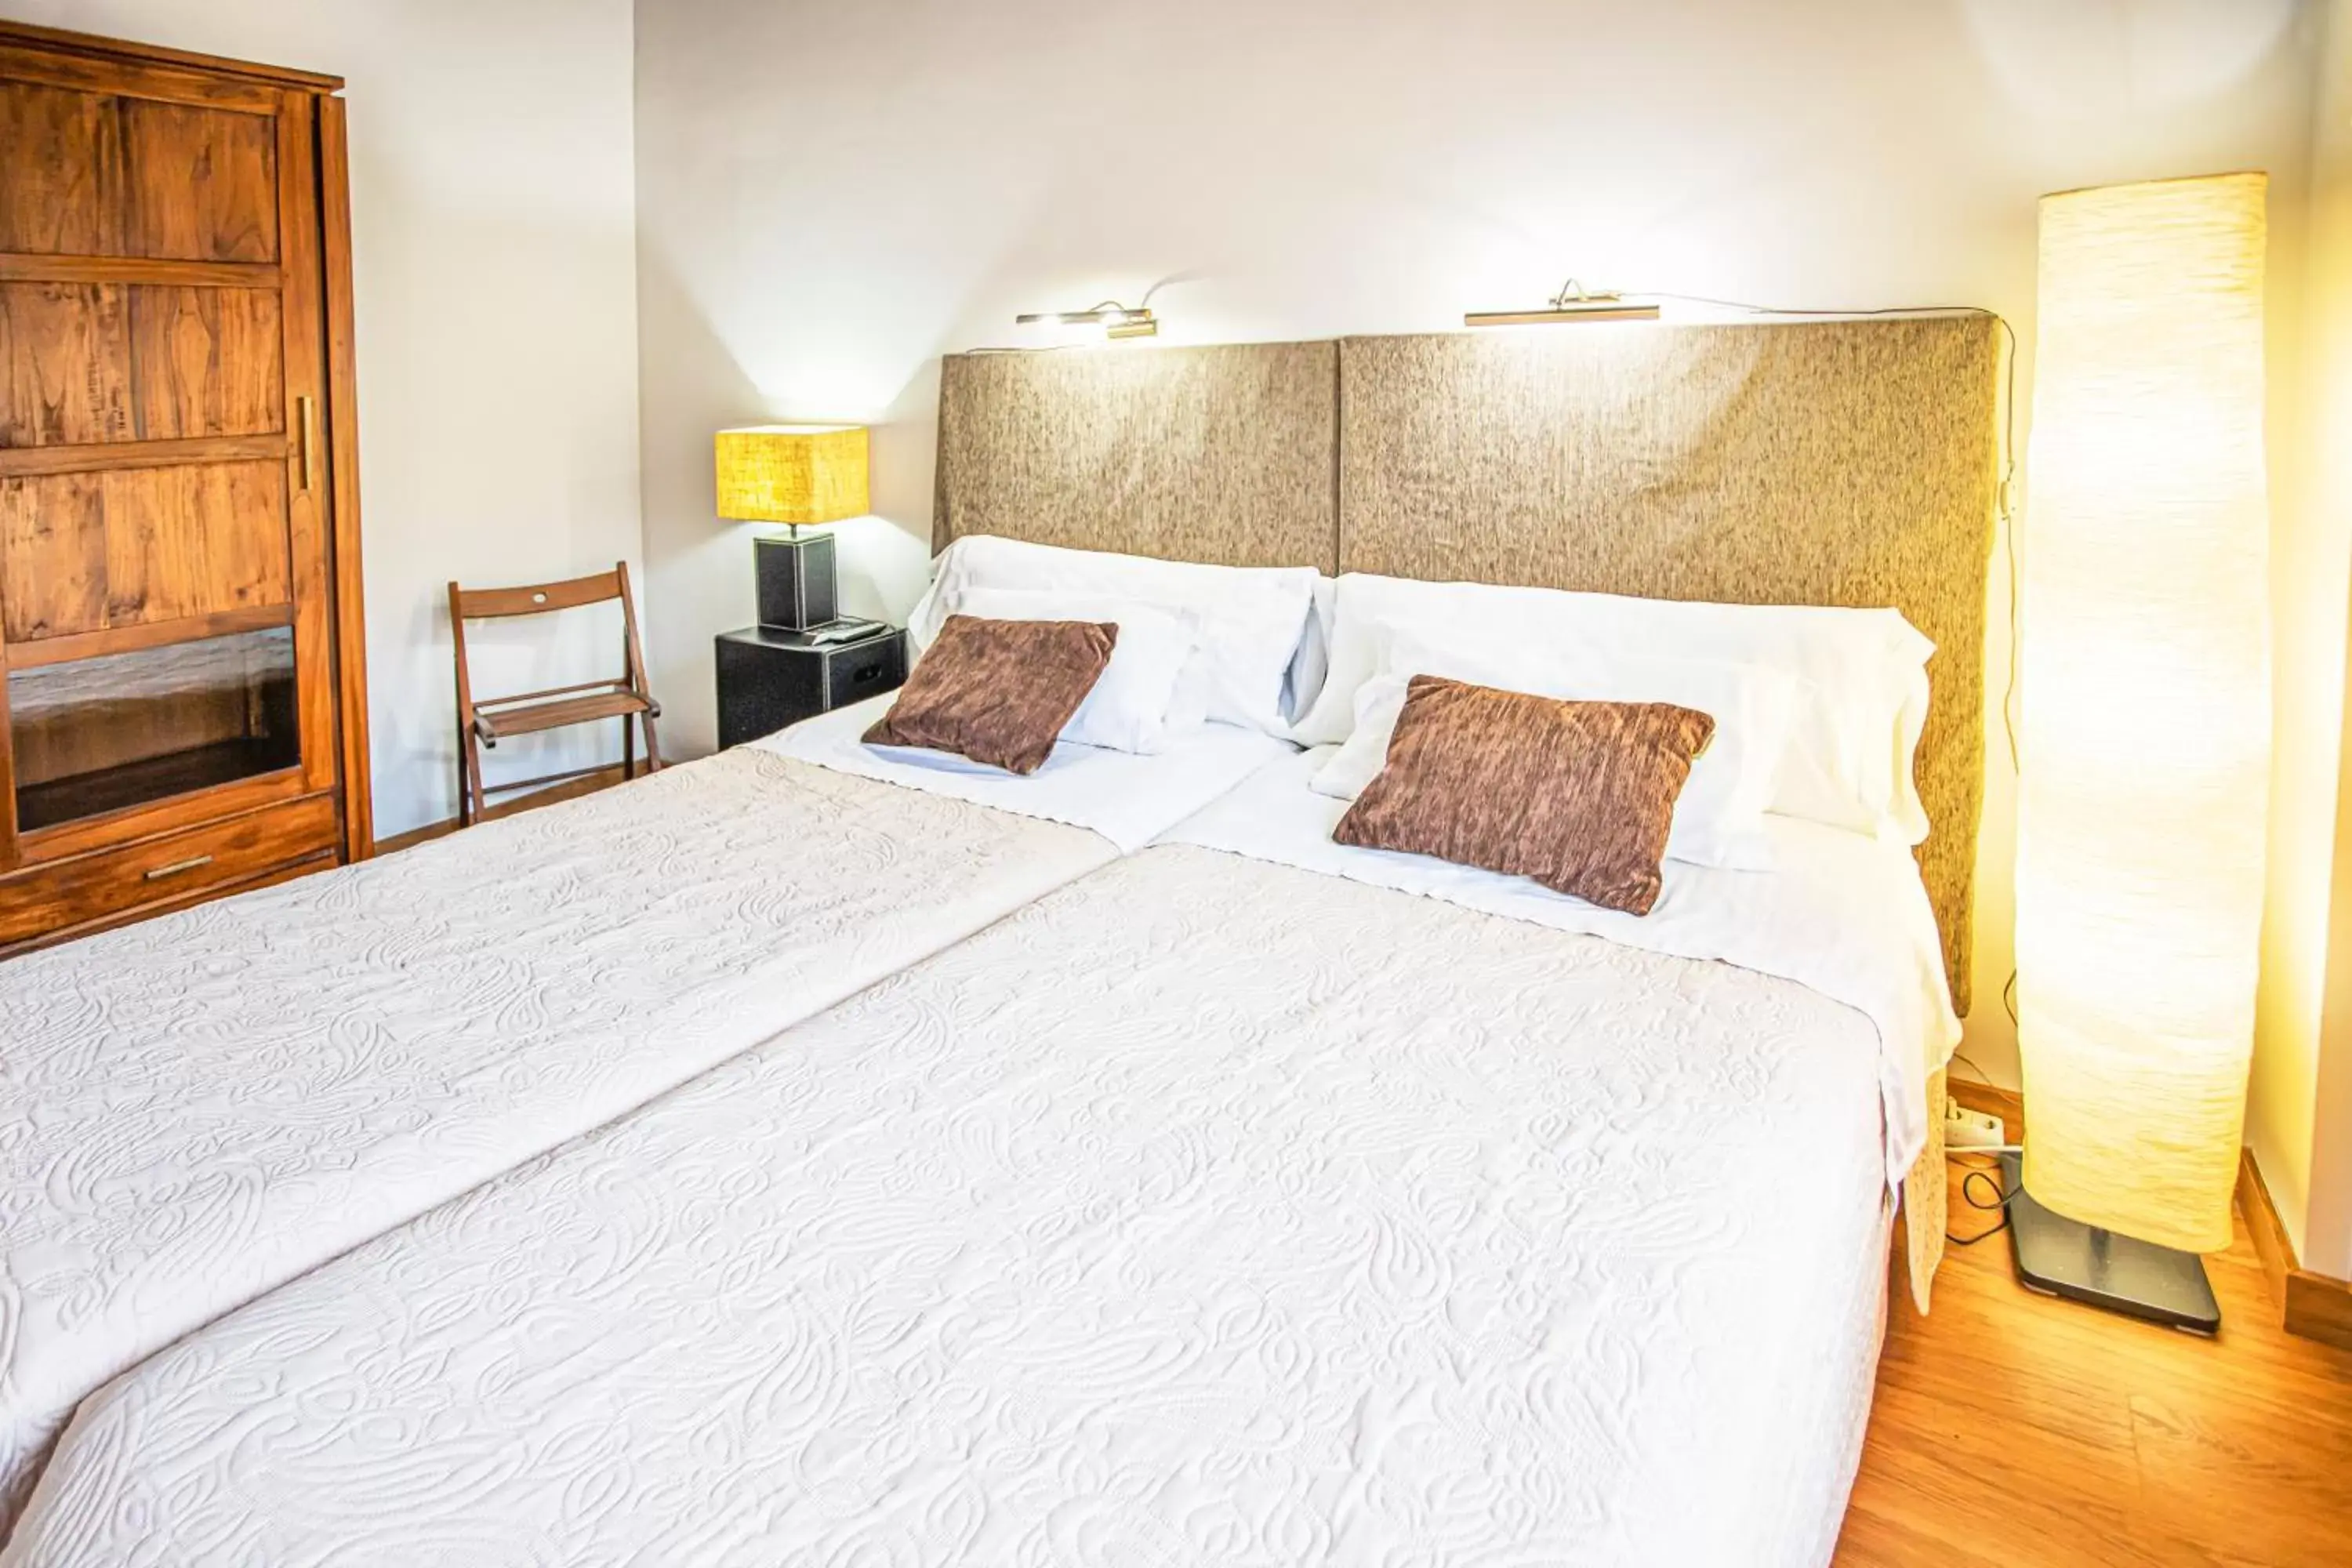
2013,1430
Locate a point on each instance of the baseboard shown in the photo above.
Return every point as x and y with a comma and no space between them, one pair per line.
2315,1306
2319,1307
2271,1243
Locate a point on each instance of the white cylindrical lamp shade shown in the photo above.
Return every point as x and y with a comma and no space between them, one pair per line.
2145,717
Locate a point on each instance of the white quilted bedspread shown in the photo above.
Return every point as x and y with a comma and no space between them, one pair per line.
1207,1211
199,1107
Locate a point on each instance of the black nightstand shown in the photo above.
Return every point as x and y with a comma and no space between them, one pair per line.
768,677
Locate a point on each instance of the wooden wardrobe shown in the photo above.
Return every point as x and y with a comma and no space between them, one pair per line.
185,712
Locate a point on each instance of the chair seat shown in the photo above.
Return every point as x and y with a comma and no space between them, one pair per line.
530,718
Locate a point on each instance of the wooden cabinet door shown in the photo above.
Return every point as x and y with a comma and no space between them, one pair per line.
165,511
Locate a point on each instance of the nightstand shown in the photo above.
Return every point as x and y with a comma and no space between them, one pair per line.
768,677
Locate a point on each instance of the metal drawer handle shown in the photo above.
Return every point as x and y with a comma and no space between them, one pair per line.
176,867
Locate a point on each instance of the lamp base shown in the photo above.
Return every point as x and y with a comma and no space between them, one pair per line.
794,579
2060,1256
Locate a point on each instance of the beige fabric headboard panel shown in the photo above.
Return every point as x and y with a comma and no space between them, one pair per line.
1224,454
1829,462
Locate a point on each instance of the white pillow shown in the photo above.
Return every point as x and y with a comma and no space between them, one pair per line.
1249,620
1861,701
1130,706
1312,662
1719,816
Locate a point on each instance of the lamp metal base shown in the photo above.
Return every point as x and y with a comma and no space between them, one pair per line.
2060,1256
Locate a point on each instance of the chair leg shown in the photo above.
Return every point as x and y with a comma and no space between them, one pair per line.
652,745
628,749
480,806
465,779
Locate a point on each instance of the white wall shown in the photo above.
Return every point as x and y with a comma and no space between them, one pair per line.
829,196
2321,1075
2299,1104
493,253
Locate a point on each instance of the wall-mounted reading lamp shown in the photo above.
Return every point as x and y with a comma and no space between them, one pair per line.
1572,303
1116,320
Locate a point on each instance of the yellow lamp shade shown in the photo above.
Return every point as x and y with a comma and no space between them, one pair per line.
793,473
2144,716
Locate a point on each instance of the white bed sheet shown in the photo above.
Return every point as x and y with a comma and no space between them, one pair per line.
1127,797
199,1107
1842,913
1204,1211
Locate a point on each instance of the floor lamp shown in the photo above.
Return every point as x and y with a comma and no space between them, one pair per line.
2144,736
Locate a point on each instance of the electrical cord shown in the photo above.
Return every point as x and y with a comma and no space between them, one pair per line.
2001,1201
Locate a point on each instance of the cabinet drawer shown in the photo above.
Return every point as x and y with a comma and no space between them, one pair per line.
166,869
868,670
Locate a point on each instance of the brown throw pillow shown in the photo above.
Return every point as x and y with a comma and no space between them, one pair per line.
998,692
1579,795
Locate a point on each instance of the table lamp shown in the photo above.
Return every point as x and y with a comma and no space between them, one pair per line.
2144,741
796,475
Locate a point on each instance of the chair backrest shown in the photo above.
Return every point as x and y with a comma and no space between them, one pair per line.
541,598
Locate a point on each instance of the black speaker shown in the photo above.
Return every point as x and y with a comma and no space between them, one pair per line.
795,578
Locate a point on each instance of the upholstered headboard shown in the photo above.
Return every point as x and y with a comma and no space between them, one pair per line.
1225,454
1831,463
1823,462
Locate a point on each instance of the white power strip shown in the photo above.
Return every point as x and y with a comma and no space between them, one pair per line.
1965,1129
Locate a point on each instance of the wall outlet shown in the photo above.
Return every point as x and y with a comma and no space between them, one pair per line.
1965,1129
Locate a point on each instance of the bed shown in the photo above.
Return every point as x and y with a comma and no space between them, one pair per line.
1242,1199
1154,1224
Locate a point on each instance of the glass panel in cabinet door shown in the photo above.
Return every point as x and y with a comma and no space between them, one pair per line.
94,735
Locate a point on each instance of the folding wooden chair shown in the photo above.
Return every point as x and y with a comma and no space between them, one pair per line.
486,723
